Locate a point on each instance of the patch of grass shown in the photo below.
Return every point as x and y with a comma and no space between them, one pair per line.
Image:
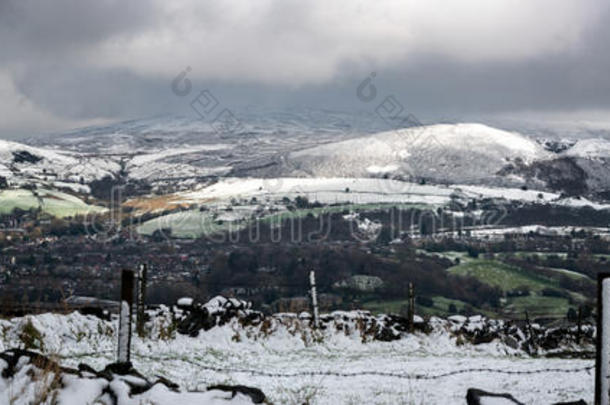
385,307
538,306
501,275
187,224
31,337
440,307
568,273
52,202
304,395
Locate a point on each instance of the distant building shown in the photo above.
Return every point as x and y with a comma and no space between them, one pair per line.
360,282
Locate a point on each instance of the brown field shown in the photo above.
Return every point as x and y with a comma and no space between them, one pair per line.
159,203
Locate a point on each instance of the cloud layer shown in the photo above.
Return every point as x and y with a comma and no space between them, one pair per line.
76,61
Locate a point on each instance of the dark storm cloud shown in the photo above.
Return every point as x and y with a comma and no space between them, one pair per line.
67,62
53,29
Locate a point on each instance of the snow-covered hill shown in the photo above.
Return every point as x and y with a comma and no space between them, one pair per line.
590,148
22,163
179,153
461,153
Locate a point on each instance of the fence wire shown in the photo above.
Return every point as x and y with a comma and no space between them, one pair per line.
330,373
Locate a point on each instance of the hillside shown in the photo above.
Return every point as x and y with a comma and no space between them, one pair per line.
445,153
164,155
22,164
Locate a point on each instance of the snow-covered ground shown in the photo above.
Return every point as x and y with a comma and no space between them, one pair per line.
498,232
59,165
590,148
182,151
218,355
265,198
323,190
452,152
330,190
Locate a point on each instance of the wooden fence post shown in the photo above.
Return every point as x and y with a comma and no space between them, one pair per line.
530,331
411,310
314,298
602,363
125,314
579,324
141,301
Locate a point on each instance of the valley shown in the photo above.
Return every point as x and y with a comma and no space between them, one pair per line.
441,206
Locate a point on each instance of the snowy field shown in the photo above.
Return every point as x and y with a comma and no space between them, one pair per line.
375,357
333,190
216,356
265,198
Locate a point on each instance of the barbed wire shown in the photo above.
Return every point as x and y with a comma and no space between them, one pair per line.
329,373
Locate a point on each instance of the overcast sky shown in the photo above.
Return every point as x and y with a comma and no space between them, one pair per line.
70,63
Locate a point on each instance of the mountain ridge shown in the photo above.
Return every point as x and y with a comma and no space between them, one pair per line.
462,153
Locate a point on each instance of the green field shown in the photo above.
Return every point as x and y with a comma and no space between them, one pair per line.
51,202
195,223
385,307
507,278
502,275
188,224
439,308
569,273
537,306
499,274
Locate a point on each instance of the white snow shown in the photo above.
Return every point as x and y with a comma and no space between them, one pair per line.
460,152
289,349
381,169
581,202
590,148
185,302
324,190
149,157
511,194
366,190
61,165
498,232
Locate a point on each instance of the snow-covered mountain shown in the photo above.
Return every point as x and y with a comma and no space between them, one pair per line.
458,153
308,143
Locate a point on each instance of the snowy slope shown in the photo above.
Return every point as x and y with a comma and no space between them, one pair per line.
593,157
590,148
354,190
449,153
40,163
179,151
177,162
